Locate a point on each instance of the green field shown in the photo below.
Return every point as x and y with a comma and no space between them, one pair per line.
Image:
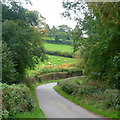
54,60
58,47
58,60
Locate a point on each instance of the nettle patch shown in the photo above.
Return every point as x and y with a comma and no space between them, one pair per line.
15,99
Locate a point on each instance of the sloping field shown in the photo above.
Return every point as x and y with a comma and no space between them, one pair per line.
58,47
53,60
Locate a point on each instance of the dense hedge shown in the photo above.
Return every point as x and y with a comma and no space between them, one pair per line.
55,76
15,99
68,70
59,42
59,53
103,98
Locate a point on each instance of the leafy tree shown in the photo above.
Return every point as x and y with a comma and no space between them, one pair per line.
77,37
62,32
23,31
100,50
54,33
65,32
16,12
24,43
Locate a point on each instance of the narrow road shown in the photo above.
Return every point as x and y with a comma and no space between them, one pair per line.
56,106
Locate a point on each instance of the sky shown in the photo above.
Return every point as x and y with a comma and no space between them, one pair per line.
51,10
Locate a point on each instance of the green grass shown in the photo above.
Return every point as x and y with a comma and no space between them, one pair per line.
106,113
53,60
35,113
58,47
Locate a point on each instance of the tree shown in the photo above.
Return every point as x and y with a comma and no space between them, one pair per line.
65,32
62,32
54,33
100,50
23,31
77,38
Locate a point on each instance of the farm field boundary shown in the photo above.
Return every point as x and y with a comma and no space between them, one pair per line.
59,53
54,76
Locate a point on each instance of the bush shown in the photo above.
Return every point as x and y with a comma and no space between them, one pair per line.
68,86
15,99
9,73
110,99
86,90
100,97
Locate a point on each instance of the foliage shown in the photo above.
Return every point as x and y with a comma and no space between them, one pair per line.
23,31
9,74
16,12
61,69
16,99
99,96
22,42
58,47
89,105
62,32
36,112
100,47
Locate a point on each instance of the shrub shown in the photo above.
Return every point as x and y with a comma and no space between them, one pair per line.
91,93
110,99
16,99
9,73
86,90
68,87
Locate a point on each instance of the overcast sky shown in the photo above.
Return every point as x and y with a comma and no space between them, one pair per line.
51,9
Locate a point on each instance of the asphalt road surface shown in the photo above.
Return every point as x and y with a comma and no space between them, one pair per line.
56,106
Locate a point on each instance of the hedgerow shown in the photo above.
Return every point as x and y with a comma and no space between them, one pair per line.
15,99
104,98
59,53
68,70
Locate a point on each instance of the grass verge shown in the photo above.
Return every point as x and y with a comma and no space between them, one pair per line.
36,112
105,113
